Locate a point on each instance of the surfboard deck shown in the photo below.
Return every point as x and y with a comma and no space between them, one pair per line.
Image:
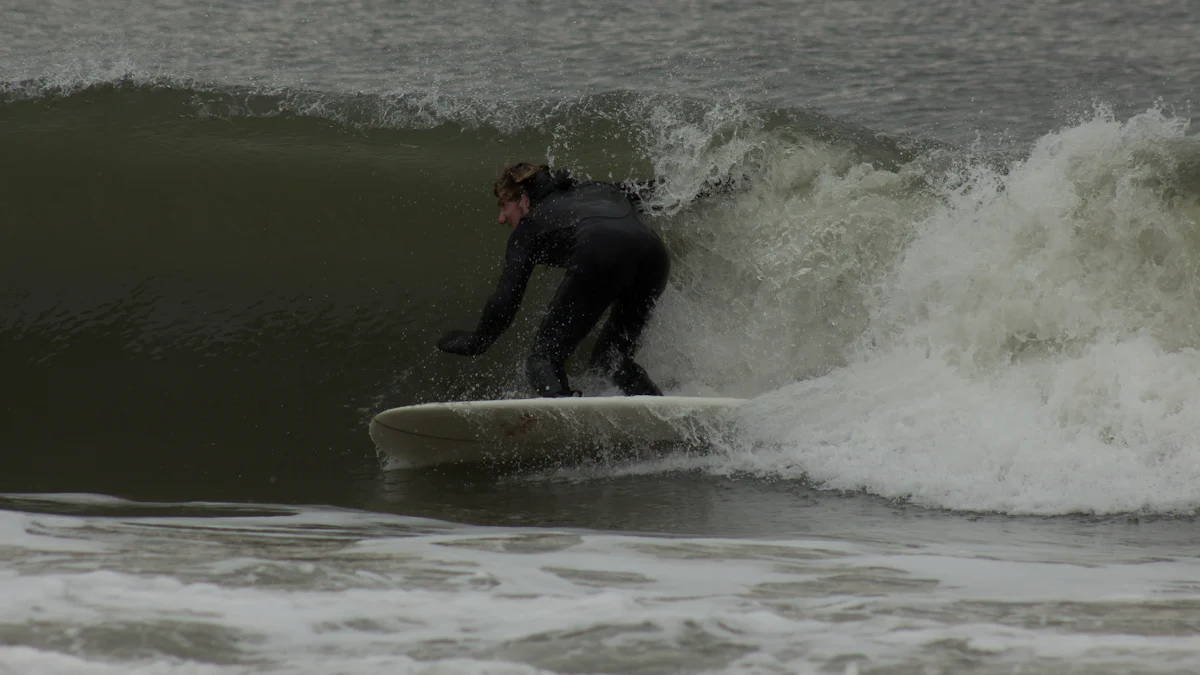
470,432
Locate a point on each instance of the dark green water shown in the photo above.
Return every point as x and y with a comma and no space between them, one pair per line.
206,293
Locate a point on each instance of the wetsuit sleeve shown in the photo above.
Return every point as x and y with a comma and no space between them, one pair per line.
501,308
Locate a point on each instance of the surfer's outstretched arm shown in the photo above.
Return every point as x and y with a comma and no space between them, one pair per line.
501,308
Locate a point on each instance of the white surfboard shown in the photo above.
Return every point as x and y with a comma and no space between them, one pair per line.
551,429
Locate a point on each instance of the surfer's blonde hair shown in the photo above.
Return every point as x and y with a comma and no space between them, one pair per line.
509,186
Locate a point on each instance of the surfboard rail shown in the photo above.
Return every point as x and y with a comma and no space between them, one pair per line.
510,430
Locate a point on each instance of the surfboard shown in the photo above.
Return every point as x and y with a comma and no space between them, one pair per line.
554,429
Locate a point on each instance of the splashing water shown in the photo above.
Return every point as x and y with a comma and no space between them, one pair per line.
1028,335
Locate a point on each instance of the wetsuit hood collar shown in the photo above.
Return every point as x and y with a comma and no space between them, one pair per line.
544,183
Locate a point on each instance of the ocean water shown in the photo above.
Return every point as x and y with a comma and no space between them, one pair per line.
956,277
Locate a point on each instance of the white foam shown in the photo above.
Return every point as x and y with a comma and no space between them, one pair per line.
28,660
1019,341
469,599
770,285
18,531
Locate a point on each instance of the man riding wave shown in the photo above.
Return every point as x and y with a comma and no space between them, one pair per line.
612,259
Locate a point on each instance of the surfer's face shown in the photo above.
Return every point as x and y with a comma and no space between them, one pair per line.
511,213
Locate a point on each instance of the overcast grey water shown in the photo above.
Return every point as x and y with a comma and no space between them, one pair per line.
956,277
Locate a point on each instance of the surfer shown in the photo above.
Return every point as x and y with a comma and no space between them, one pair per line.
612,259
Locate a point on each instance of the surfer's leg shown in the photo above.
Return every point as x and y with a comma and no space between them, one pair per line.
547,378
620,337
575,309
617,343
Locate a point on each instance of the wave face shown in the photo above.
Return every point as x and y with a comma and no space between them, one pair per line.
235,277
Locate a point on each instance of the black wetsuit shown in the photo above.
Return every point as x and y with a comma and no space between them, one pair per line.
612,259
